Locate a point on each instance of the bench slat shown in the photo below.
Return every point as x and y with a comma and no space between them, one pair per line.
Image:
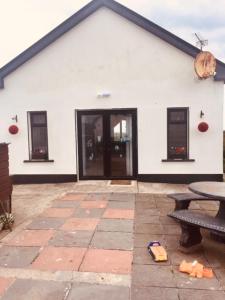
199,220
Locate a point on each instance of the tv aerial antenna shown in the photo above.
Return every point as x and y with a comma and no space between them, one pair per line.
201,42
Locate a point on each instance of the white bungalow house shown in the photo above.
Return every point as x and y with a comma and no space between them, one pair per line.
109,94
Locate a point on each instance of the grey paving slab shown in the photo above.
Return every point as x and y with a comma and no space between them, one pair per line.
71,239
172,242
142,205
36,290
220,274
165,220
176,257
89,212
172,229
65,204
115,225
98,292
46,223
97,196
153,276
186,282
200,295
145,197
121,204
149,228
122,197
142,240
142,257
152,293
17,257
145,214
112,240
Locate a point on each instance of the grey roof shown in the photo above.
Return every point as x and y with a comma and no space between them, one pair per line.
87,11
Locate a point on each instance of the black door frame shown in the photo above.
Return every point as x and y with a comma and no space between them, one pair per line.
106,113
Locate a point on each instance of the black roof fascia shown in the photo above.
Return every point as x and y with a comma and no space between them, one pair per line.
87,11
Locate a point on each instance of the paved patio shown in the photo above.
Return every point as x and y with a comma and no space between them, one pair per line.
93,246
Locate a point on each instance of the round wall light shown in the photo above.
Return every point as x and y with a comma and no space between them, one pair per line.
13,129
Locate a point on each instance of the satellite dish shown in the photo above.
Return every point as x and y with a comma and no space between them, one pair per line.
205,65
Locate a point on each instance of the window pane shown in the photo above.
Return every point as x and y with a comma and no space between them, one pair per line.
92,145
178,116
39,143
38,119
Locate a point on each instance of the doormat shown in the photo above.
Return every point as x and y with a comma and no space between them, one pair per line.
120,182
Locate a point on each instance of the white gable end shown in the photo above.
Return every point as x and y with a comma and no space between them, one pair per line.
106,52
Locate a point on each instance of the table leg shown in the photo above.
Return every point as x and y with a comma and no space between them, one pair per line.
221,214
221,211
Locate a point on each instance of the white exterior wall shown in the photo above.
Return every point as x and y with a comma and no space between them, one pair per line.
108,53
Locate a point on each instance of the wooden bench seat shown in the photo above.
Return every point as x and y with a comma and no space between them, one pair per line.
191,222
183,200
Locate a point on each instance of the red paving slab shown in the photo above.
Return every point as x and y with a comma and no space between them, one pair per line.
58,212
59,259
93,204
31,238
113,213
107,261
80,224
4,284
73,197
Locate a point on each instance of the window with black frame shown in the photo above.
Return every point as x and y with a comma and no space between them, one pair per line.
177,119
38,134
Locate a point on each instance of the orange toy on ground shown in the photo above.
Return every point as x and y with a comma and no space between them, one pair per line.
195,269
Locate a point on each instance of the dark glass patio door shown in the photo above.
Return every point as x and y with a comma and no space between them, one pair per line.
107,144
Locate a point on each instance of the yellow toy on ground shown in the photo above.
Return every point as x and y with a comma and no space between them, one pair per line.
195,269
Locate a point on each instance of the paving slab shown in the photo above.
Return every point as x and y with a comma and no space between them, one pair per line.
71,239
31,238
112,240
59,259
89,213
5,284
74,224
113,213
200,295
186,282
115,225
65,204
94,204
142,205
153,276
107,261
122,197
149,228
220,274
73,197
153,293
142,240
17,257
36,290
98,292
96,197
54,212
46,223
121,204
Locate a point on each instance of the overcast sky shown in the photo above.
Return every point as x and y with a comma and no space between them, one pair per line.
22,22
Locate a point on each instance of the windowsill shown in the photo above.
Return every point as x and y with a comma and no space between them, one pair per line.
178,160
39,161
